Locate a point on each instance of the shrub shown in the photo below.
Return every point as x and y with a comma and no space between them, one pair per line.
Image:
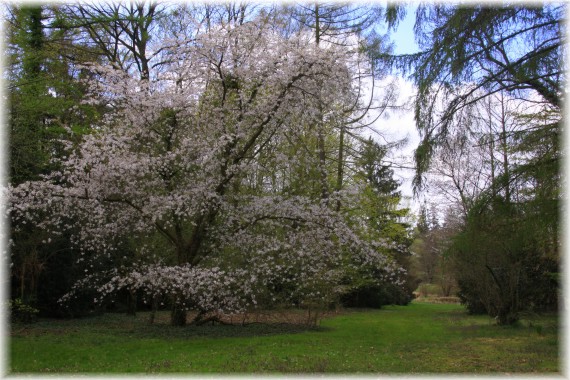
375,296
23,313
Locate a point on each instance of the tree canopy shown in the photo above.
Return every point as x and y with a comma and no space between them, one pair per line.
470,52
490,87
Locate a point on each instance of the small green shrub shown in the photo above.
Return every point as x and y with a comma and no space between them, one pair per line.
23,313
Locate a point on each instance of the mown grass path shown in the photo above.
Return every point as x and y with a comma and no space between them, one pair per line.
419,338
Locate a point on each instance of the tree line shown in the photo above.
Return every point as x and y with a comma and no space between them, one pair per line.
216,157
488,108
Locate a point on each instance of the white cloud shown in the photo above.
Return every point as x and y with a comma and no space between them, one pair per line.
396,125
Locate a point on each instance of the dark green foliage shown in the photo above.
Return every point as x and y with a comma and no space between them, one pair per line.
377,173
27,115
469,297
382,212
44,93
44,97
376,296
500,264
381,194
59,274
44,268
21,312
543,290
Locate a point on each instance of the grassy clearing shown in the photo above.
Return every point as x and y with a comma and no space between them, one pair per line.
419,338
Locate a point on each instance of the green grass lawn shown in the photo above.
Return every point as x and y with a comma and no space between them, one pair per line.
419,338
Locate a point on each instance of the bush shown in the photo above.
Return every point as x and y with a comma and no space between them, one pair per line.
375,296
503,265
470,299
23,313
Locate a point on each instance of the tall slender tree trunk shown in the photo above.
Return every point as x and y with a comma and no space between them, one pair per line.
321,146
504,149
322,164
492,151
154,308
340,166
132,303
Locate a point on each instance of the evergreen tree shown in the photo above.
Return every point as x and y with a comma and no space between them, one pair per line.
44,97
380,209
513,48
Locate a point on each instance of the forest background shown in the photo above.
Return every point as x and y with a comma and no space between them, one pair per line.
488,109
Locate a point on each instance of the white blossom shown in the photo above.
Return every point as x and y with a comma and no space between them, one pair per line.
162,162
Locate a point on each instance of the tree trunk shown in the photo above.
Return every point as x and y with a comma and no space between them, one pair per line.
507,317
322,165
340,167
154,308
492,151
178,316
132,303
504,148
320,126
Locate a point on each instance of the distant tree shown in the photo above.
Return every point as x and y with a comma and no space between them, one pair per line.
426,246
423,220
123,33
352,26
381,211
507,256
430,247
475,63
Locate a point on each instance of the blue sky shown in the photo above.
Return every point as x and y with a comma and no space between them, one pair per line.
403,37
